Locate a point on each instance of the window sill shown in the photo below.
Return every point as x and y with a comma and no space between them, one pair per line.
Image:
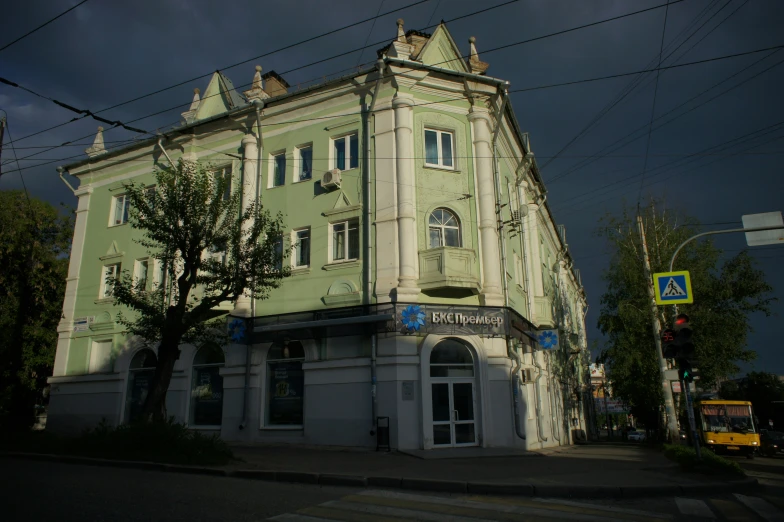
336,265
443,169
276,186
205,428
118,225
346,170
303,180
299,270
298,427
104,300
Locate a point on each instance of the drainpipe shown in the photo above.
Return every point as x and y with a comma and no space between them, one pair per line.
160,144
510,347
60,171
553,407
367,287
258,104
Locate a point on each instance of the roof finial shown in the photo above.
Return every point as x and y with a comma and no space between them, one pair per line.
472,42
256,91
257,79
401,33
98,145
476,65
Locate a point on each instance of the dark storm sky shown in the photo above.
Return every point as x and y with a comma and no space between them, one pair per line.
105,52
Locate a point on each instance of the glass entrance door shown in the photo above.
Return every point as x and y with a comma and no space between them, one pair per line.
454,421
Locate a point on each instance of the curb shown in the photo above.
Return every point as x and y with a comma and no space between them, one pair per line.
418,484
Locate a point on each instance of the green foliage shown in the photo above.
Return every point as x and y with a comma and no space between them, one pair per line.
761,389
35,241
711,463
725,295
165,441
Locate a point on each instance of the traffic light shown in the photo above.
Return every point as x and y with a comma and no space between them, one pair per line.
684,347
668,343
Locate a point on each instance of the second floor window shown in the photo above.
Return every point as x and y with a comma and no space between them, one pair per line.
111,273
279,169
444,229
302,247
140,274
438,148
121,206
223,175
346,152
305,163
345,240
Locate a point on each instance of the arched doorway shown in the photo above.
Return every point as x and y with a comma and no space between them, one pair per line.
140,375
453,394
207,387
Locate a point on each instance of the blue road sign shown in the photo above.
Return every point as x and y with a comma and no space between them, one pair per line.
673,288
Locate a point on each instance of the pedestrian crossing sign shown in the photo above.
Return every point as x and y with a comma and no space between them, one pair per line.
673,288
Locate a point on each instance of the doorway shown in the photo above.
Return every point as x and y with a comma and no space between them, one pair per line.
453,395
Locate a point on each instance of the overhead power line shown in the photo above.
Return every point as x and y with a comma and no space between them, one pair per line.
6,46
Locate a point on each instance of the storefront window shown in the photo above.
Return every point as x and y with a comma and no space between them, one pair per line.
140,374
451,358
207,387
286,384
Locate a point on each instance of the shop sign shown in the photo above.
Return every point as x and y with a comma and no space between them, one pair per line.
438,319
82,324
462,319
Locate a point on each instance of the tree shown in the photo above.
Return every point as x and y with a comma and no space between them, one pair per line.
726,293
213,252
765,392
35,240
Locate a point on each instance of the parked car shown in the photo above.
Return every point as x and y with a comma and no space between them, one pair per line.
637,436
771,443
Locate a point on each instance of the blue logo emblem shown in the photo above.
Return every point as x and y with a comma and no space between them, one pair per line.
413,317
237,330
548,339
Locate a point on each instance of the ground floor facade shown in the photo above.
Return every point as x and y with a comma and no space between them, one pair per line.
404,376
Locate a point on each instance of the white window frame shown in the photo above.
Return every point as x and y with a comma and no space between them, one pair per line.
297,162
271,177
100,362
346,247
347,138
137,269
443,228
104,272
440,163
295,243
113,210
157,274
226,170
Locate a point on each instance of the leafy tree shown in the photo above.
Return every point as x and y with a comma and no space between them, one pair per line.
726,293
763,390
35,240
213,251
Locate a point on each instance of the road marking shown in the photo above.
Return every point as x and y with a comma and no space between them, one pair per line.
761,507
293,517
347,516
694,507
407,514
576,507
732,511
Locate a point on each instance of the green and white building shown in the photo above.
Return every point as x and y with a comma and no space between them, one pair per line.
426,266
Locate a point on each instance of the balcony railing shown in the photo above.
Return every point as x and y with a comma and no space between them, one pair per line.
448,267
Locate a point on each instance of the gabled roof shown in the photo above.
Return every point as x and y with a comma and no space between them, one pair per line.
218,97
442,51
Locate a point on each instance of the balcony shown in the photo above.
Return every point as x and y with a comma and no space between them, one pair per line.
448,267
544,311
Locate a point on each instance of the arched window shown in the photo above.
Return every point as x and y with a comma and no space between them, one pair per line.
140,374
444,229
451,358
207,386
285,384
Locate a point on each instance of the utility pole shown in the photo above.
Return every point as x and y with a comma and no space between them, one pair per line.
669,405
2,133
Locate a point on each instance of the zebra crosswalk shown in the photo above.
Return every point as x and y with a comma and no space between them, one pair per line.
397,506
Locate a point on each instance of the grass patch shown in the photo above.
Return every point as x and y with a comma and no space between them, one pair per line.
711,463
167,442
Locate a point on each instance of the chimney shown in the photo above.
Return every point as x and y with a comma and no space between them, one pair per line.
274,84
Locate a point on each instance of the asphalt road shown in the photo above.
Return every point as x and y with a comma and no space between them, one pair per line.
37,490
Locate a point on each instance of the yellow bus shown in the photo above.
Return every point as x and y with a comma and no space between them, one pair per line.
728,427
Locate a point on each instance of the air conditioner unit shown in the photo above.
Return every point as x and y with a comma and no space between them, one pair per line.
331,179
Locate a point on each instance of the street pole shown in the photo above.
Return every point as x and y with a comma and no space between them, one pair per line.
2,132
672,426
692,424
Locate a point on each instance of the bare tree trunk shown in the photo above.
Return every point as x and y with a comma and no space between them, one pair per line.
154,409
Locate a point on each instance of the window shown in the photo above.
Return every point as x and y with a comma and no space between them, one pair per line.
444,229
345,240
121,205
111,273
346,152
140,271
223,176
159,276
278,169
101,357
438,148
140,376
278,252
285,384
207,387
217,251
302,247
305,163
451,358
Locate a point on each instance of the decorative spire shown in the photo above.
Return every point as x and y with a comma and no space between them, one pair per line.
98,145
475,65
256,91
401,34
196,99
189,116
400,47
257,79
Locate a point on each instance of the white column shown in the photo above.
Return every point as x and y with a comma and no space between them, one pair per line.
249,175
64,328
491,294
536,259
387,254
407,289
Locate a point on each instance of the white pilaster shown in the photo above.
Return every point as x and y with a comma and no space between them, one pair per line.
407,289
533,242
387,255
248,187
64,328
491,294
